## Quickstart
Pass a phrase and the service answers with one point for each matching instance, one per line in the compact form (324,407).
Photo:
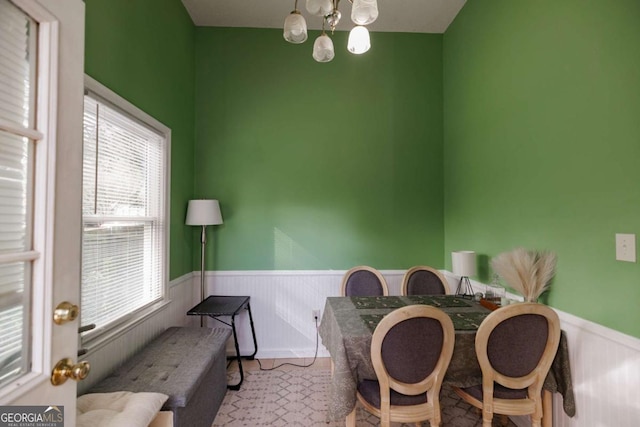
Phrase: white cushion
(117,409)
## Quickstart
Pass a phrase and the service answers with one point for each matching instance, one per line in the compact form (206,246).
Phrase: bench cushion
(174,364)
(119,408)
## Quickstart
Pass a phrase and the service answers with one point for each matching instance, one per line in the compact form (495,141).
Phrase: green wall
(532,105)
(320,166)
(144,51)
(542,142)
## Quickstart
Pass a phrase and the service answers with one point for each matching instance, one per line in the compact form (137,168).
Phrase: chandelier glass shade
(319,7)
(295,28)
(323,48)
(359,41)
(363,12)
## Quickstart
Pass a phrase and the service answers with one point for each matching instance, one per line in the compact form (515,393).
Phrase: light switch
(626,247)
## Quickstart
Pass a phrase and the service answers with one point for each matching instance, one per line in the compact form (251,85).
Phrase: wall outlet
(315,315)
(626,247)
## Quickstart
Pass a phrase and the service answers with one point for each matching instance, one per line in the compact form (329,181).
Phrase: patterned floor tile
(299,398)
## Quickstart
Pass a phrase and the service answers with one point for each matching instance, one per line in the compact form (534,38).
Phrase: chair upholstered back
(364,281)
(515,346)
(423,280)
(410,350)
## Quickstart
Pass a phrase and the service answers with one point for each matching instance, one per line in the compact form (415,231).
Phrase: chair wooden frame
(349,273)
(532,405)
(431,384)
(412,270)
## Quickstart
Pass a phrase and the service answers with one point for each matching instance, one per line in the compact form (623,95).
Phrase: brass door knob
(65,369)
(65,312)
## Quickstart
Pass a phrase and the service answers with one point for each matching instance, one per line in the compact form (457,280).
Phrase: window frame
(94,339)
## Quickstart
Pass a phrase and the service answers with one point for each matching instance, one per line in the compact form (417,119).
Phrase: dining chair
(363,281)
(423,280)
(515,346)
(410,350)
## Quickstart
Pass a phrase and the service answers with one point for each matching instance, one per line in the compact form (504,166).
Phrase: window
(124,209)
(18,138)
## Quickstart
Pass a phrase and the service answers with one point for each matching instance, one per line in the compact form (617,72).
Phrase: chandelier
(363,12)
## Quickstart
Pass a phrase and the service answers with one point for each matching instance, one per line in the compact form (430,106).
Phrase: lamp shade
(359,41)
(295,28)
(319,7)
(464,263)
(203,212)
(364,12)
(323,49)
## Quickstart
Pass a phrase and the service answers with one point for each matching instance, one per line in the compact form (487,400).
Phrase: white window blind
(123,209)
(18,37)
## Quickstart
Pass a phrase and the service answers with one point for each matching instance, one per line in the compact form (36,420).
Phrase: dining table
(347,326)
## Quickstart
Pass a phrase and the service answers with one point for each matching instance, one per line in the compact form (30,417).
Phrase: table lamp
(203,212)
(464,265)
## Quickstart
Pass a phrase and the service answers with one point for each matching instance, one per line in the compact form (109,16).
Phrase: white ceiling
(413,16)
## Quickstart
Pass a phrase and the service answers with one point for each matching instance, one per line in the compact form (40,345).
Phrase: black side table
(216,306)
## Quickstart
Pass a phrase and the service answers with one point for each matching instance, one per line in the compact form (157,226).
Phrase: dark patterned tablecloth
(440,301)
(461,321)
(347,326)
(377,302)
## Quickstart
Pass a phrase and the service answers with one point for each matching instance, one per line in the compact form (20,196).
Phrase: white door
(41,96)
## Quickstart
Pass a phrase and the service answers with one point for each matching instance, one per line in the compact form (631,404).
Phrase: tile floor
(456,413)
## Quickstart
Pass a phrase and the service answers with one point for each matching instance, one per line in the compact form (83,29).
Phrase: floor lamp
(203,212)
(464,265)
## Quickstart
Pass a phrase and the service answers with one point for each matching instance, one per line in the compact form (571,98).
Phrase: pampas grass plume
(528,272)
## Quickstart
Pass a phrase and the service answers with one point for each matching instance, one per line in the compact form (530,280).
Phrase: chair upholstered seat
(370,391)
(499,392)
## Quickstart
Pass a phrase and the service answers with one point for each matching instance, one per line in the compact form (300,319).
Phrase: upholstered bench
(188,364)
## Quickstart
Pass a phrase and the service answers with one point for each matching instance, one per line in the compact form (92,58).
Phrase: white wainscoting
(605,366)
(282,304)
(105,358)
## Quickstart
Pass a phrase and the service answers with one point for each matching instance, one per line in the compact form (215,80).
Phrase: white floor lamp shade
(203,212)
(464,265)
